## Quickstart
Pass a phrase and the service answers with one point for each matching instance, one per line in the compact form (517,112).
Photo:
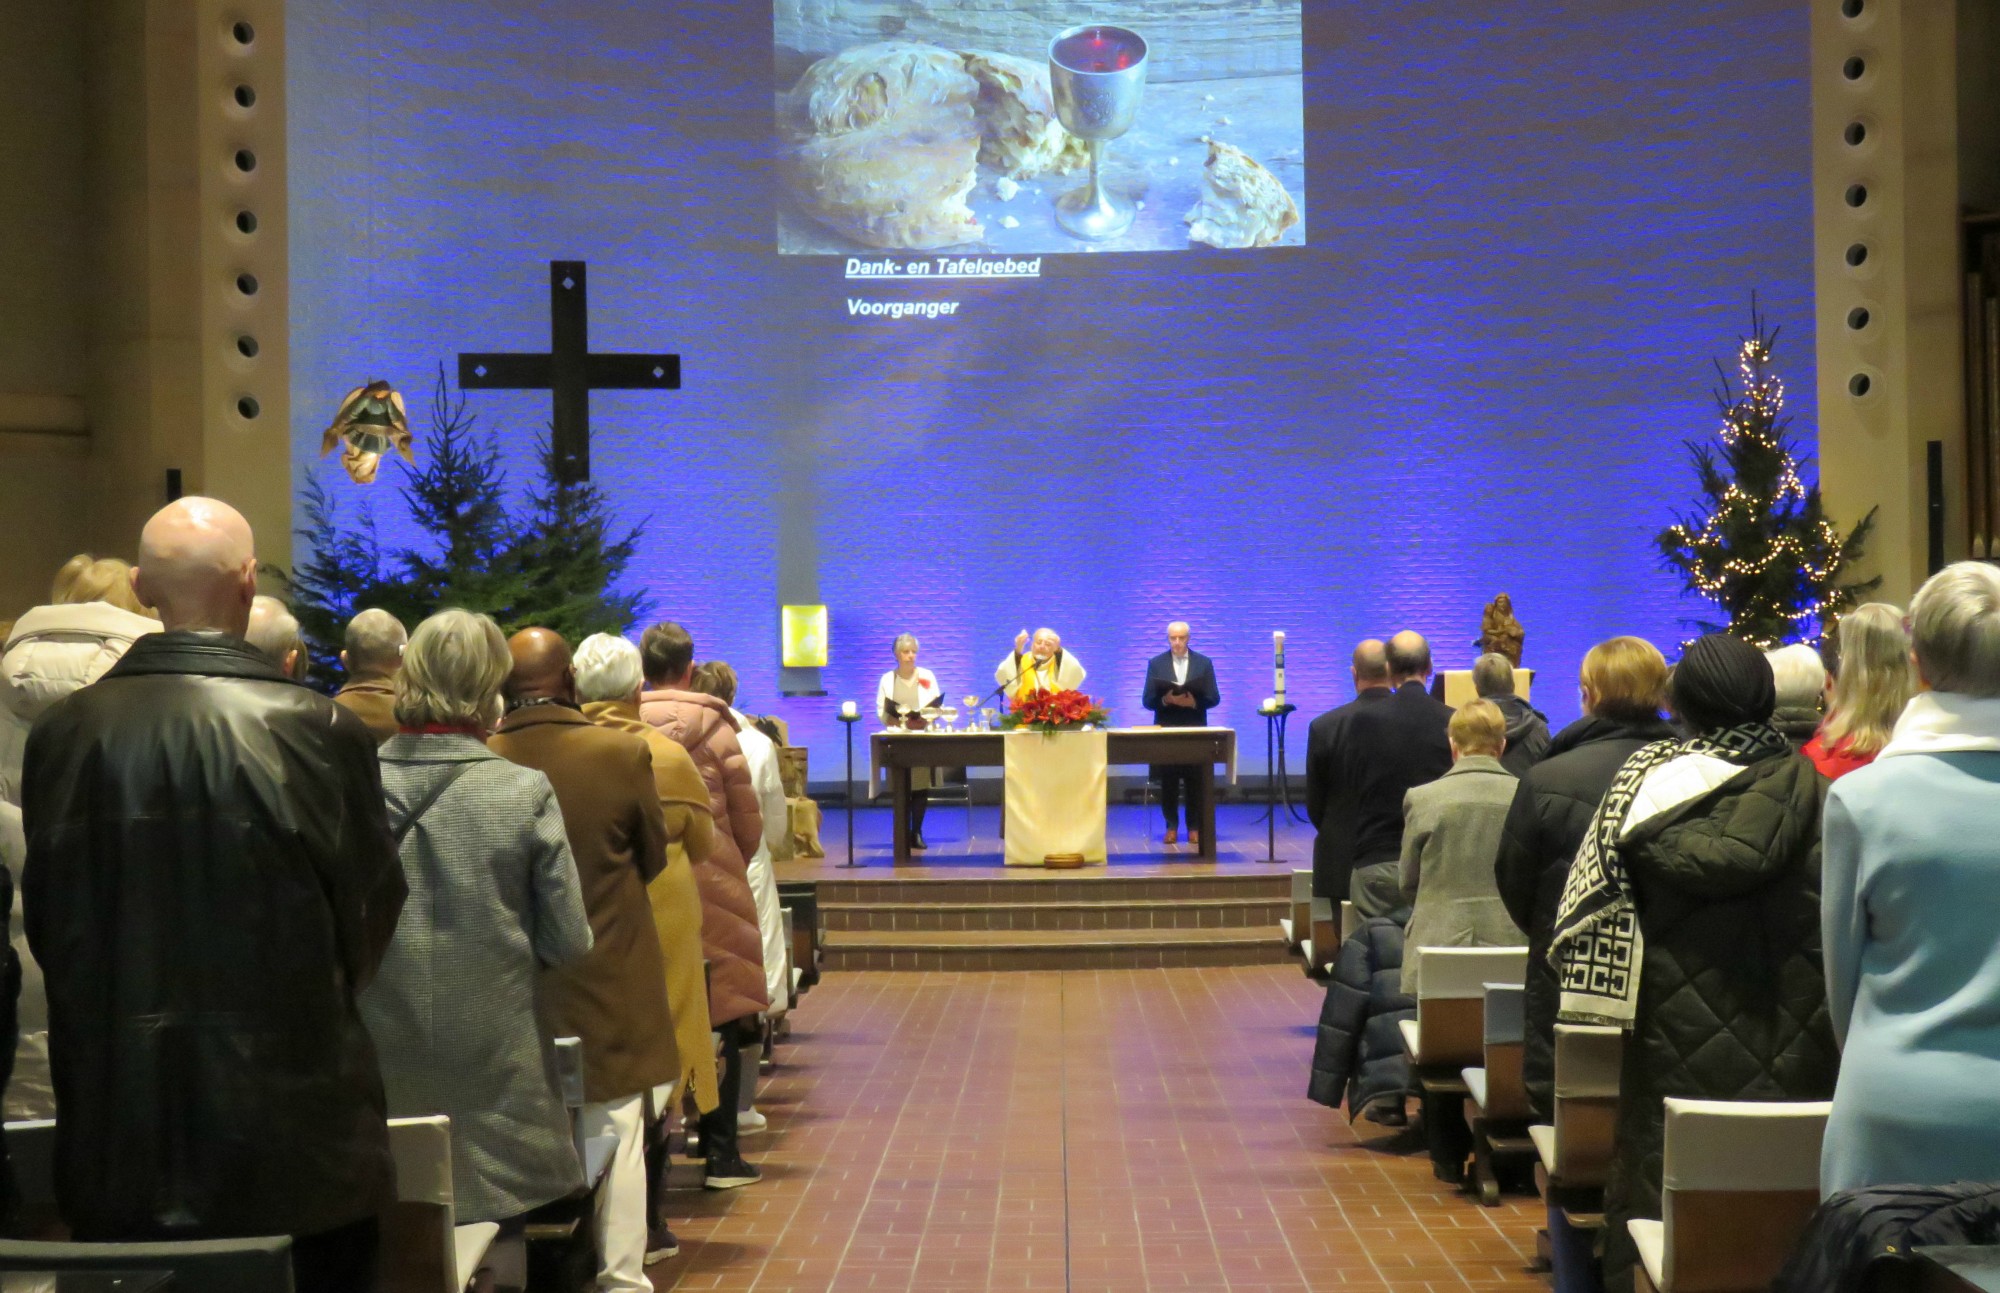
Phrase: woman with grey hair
(901,699)
(1911,884)
(494,896)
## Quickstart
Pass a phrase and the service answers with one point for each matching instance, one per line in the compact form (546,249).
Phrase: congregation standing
(255,923)
(1771,872)
(401,896)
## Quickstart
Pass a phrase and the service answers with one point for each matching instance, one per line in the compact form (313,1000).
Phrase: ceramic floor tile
(1100,1130)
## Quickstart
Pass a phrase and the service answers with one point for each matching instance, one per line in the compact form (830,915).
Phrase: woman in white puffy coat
(52,651)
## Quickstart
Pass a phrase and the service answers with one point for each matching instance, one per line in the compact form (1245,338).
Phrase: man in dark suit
(1399,743)
(1180,690)
(1332,773)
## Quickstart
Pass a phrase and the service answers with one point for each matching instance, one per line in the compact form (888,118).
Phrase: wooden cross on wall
(569,370)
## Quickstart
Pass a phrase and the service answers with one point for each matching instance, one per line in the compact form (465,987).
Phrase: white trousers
(621,1203)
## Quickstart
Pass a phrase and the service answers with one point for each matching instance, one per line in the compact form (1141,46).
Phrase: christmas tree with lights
(1757,542)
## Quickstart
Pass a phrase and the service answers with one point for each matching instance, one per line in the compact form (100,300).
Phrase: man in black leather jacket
(210,882)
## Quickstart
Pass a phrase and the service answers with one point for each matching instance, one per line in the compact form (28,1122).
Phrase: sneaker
(730,1176)
(660,1245)
(749,1122)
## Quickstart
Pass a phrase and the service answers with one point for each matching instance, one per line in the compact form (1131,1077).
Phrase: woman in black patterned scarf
(1691,919)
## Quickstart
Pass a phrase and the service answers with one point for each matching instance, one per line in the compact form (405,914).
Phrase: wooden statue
(1499,631)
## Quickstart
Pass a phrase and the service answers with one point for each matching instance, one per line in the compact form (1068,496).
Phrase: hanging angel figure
(371,423)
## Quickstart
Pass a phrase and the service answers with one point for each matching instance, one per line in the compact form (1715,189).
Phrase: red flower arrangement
(1055,711)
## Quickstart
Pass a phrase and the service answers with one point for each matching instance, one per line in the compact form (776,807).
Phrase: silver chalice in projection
(1098,75)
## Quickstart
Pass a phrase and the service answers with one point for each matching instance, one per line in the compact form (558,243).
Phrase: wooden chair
(1739,1182)
(1322,946)
(424,1249)
(31,1149)
(209,1265)
(1296,924)
(1448,1036)
(802,896)
(1575,1148)
(562,1236)
(1498,1108)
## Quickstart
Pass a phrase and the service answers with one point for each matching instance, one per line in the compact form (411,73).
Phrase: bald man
(1398,745)
(274,630)
(210,881)
(372,654)
(1180,690)
(615,997)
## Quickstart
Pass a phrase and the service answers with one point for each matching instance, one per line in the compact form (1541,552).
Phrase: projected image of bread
(1019,134)
(881,143)
(1242,204)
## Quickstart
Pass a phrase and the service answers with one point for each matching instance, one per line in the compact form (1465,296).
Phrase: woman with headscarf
(1691,920)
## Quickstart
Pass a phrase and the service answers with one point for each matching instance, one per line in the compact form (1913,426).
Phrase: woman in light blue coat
(1911,894)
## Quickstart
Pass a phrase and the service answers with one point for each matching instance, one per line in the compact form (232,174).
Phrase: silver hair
(1800,676)
(1955,629)
(1182,625)
(901,638)
(374,643)
(274,630)
(1493,675)
(607,668)
(452,671)
(1051,632)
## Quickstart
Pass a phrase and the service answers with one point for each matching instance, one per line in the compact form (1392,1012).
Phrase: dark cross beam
(569,370)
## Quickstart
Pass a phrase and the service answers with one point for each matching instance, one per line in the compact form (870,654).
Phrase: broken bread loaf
(1019,134)
(1242,204)
(881,143)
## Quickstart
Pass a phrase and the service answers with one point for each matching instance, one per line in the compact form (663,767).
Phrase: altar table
(897,752)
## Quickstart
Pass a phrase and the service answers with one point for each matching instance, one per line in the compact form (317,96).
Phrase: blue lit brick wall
(1529,234)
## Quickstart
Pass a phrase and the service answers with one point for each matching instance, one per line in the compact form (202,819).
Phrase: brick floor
(1095,1130)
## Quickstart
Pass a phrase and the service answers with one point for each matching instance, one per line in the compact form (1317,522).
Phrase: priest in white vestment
(1045,667)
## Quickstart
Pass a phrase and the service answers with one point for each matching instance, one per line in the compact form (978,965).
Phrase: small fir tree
(1757,542)
(566,559)
(552,562)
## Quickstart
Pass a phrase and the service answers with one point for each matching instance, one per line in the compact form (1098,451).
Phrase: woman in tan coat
(608,683)
(704,727)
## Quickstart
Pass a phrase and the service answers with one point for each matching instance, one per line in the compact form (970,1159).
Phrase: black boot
(726,1168)
(920,801)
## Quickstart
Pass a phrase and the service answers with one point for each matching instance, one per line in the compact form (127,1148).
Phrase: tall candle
(847,709)
(1278,648)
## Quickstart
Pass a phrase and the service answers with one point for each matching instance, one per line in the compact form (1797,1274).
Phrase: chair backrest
(1326,937)
(31,1148)
(210,1265)
(417,1250)
(1504,1028)
(1451,1000)
(569,1071)
(1740,1181)
(1588,1060)
(1301,906)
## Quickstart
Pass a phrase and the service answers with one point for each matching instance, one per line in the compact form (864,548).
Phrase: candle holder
(849,716)
(1097,75)
(1277,786)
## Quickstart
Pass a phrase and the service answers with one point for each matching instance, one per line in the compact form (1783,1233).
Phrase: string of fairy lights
(1813,558)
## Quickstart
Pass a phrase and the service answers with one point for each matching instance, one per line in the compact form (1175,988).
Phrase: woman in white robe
(900,699)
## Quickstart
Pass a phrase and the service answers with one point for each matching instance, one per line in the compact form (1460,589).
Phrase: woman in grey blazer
(493,897)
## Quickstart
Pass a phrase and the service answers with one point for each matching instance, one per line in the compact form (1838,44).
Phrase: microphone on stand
(1004,687)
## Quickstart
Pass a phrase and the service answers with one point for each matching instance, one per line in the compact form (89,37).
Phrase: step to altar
(1051,920)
